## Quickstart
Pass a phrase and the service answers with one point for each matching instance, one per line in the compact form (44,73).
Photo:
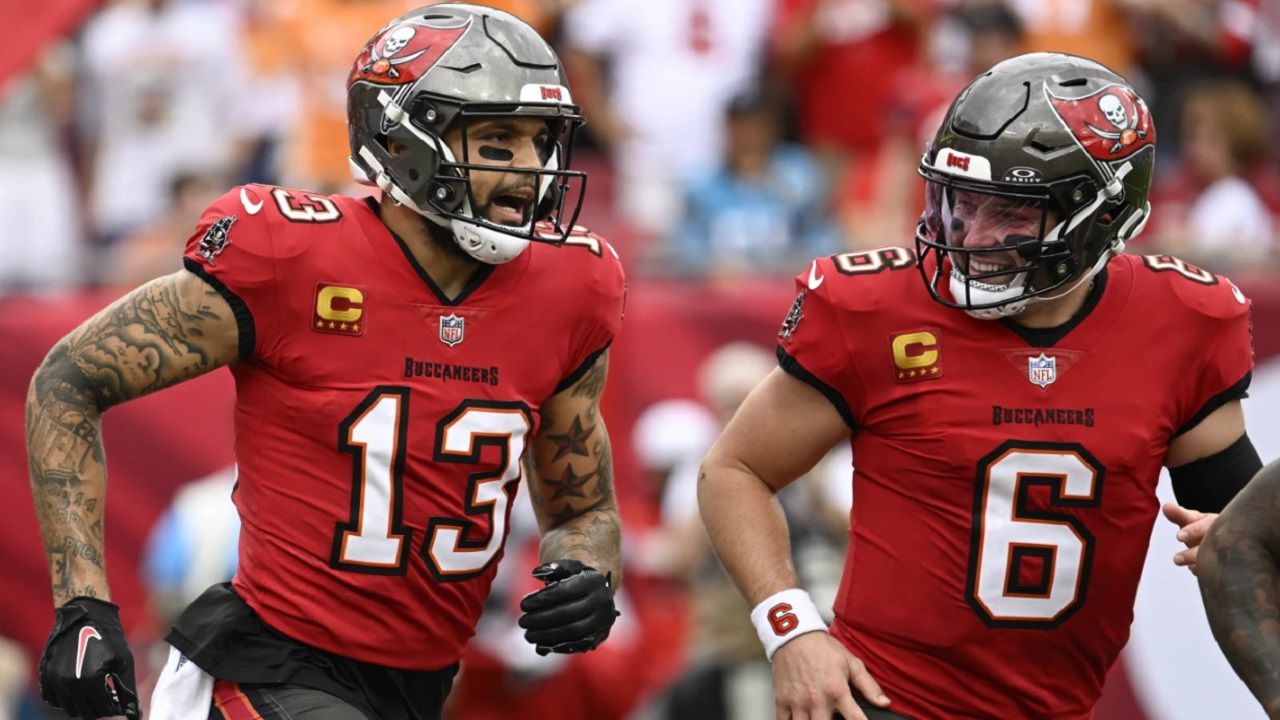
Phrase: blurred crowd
(726,138)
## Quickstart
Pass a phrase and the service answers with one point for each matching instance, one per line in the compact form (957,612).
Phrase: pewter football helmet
(442,66)
(1052,155)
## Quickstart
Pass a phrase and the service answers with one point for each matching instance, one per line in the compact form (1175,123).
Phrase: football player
(1008,415)
(1238,569)
(395,361)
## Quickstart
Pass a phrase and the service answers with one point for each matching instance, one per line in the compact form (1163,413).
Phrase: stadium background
(729,141)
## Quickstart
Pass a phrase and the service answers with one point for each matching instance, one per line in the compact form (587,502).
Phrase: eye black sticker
(489,152)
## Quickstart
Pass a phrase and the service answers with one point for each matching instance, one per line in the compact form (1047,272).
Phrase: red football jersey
(1004,479)
(379,425)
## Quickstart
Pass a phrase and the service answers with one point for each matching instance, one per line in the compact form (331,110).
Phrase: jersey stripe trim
(231,702)
(798,371)
(1235,392)
(579,371)
(244,318)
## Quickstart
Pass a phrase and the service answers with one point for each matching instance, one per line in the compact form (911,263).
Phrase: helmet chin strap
(985,293)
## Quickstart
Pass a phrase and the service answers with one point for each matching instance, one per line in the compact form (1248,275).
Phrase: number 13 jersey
(380,426)
(1004,478)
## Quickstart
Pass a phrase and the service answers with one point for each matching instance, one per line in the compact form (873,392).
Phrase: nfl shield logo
(451,327)
(1042,370)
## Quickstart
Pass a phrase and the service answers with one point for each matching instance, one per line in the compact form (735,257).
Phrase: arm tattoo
(169,330)
(572,490)
(150,339)
(1239,584)
(574,441)
(592,384)
(568,485)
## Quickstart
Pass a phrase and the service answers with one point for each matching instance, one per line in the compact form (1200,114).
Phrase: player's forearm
(1238,579)
(68,475)
(572,487)
(747,529)
(571,483)
(172,329)
(593,538)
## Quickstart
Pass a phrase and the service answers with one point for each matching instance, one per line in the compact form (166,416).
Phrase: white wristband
(785,616)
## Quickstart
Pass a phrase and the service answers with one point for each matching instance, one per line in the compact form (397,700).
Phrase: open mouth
(511,207)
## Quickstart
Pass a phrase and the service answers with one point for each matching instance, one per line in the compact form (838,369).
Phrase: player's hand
(1194,524)
(86,667)
(814,676)
(572,613)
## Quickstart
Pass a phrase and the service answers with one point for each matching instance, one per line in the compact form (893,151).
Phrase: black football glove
(573,613)
(86,667)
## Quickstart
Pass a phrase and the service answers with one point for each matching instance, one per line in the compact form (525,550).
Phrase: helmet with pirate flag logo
(442,67)
(1039,172)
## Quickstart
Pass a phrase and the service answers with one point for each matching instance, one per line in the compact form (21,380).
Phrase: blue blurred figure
(193,545)
(764,211)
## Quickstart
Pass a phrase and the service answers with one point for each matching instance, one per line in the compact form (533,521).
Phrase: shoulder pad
(579,236)
(862,280)
(1195,288)
(588,260)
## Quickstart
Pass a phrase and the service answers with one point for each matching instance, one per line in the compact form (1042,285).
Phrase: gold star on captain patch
(355,327)
(342,326)
(934,370)
(319,323)
(332,325)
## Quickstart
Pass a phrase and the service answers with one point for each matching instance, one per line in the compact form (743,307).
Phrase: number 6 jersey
(1004,478)
(380,426)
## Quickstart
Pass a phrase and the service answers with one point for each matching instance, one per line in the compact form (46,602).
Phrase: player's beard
(442,239)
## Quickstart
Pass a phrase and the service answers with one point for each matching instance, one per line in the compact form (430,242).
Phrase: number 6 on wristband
(784,616)
(782,619)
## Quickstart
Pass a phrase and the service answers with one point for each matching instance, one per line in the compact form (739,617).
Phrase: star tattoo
(570,484)
(574,441)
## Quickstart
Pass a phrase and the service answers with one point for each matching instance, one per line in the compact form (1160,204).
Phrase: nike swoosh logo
(86,634)
(815,280)
(251,208)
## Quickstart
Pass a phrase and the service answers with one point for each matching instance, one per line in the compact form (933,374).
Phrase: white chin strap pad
(975,292)
(493,247)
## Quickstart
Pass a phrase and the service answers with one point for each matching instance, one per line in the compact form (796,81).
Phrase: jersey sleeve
(603,299)
(231,249)
(1223,349)
(811,342)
